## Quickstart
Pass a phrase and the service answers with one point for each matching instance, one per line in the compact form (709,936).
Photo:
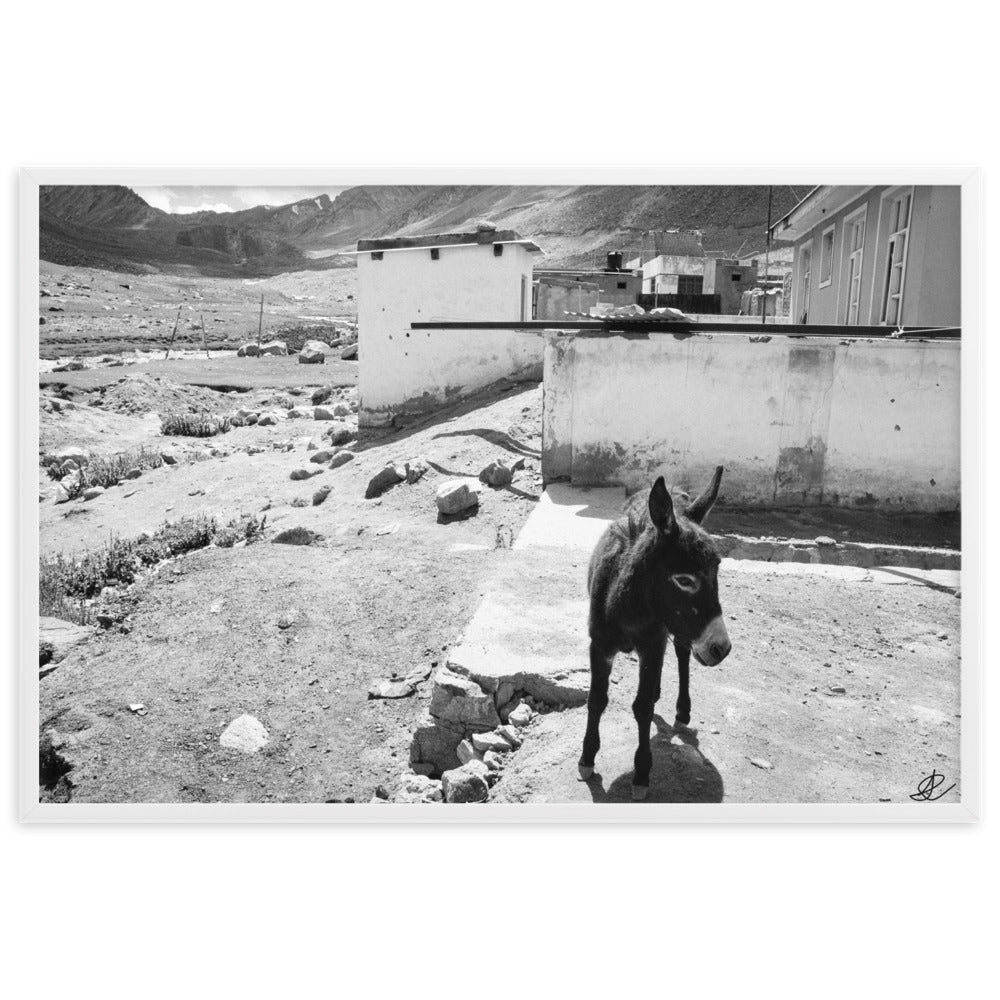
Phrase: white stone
(520,717)
(246,734)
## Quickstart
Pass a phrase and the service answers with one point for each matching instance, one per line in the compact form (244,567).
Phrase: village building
(728,279)
(485,274)
(559,292)
(875,255)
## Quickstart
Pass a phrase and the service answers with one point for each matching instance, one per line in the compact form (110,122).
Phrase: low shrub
(195,424)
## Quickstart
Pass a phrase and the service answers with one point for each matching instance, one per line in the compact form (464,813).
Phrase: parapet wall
(794,420)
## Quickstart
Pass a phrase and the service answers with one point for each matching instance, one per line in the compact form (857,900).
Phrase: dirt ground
(89,312)
(388,589)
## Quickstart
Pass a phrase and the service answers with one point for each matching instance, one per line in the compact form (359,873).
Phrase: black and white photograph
(444,498)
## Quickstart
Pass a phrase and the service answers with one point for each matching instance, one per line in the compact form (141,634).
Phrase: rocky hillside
(575,225)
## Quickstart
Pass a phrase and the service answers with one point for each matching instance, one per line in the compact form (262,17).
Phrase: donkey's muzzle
(713,645)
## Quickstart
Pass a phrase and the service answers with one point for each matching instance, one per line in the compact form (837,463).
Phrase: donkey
(653,576)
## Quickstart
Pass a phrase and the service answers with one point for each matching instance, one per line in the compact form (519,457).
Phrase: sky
(226,199)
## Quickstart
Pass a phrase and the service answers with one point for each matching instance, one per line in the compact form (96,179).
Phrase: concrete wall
(795,421)
(556,297)
(932,287)
(729,280)
(411,371)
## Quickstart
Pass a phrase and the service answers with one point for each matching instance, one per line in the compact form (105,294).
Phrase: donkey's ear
(661,507)
(698,509)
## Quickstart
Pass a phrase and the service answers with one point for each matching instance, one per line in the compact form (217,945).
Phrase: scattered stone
(466,751)
(321,395)
(61,494)
(425,769)
(299,502)
(388,529)
(417,788)
(837,689)
(341,458)
(245,734)
(496,474)
(70,366)
(341,410)
(349,353)
(296,536)
(298,474)
(466,783)
(384,480)
(390,689)
(520,716)
(416,469)
(313,352)
(275,347)
(93,492)
(289,618)
(490,741)
(511,735)
(169,457)
(137,708)
(493,760)
(435,742)
(941,635)
(320,495)
(323,455)
(457,495)
(764,765)
(459,699)
(267,420)
(825,540)
(322,413)
(133,473)
(248,351)
(341,433)
(505,691)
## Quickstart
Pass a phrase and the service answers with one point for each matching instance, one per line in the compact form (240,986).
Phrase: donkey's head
(685,568)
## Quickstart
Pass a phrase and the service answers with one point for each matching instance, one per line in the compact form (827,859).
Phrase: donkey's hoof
(586,773)
(639,792)
(682,720)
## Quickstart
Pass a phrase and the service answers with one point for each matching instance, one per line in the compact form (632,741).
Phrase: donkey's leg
(650,666)
(683,694)
(597,702)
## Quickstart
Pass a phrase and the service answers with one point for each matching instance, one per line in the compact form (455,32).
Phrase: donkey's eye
(689,584)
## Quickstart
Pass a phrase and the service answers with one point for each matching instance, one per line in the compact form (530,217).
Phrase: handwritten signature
(928,786)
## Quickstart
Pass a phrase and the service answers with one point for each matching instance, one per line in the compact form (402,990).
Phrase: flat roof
(481,237)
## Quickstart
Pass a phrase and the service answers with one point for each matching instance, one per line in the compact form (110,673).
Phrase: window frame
(892,198)
(822,259)
(859,214)
(804,283)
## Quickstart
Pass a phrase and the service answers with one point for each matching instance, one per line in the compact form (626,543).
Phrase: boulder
(321,395)
(390,689)
(61,494)
(417,788)
(310,356)
(465,752)
(274,347)
(434,743)
(496,474)
(349,353)
(267,420)
(342,410)
(320,495)
(511,735)
(322,413)
(323,455)
(341,458)
(248,351)
(169,457)
(133,473)
(245,734)
(298,474)
(466,783)
(457,495)
(340,433)
(93,492)
(384,480)
(520,717)
(490,741)
(416,469)
(458,699)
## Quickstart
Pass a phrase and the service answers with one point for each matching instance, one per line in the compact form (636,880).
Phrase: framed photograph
(428,495)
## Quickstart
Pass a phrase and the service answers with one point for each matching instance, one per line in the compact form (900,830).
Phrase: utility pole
(260,322)
(767,257)
(173,334)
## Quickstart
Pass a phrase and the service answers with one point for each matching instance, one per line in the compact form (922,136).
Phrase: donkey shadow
(681,772)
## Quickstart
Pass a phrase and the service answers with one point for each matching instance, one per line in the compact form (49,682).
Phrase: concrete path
(843,685)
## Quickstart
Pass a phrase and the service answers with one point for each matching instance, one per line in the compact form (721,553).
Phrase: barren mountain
(113,227)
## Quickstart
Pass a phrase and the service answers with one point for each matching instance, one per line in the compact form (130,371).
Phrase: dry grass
(195,424)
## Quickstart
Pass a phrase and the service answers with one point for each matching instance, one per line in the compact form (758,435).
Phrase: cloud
(195,198)
(157,197)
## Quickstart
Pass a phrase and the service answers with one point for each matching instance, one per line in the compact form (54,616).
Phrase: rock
(296,536)
(248,351)
(93,492)
(390,689)
(314,444)
(383,480)
(245,734)
(321,395)
(459,699)
(274,347)
(297,413)
(520,717)
(457,495)
(298,474)
(764,765)
(837,689)
(70,366)
(322,413)
(267,420)
(505,691)
(416,469)
(133,473)
(320,495)
(341,434)
(496,474)
(61,494)
(323,455)
(289,618)
(490,741)
(71,454)
(349,353)
(435,742)
(511,735)
(341,458)
(465,783)
(341,410)
(169,457)
(415,788)
(492,760)
(825,540)
(465,752)
(425,769)
(59,638)
(308,356)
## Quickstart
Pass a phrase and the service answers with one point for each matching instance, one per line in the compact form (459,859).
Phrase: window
(826,256)
(854,237)
(736,276)
(895,262)
(805,281)
(622,285)
(690,284)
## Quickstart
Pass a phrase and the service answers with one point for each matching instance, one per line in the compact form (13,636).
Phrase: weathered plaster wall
(558,297)
(413,371)
(794,420)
